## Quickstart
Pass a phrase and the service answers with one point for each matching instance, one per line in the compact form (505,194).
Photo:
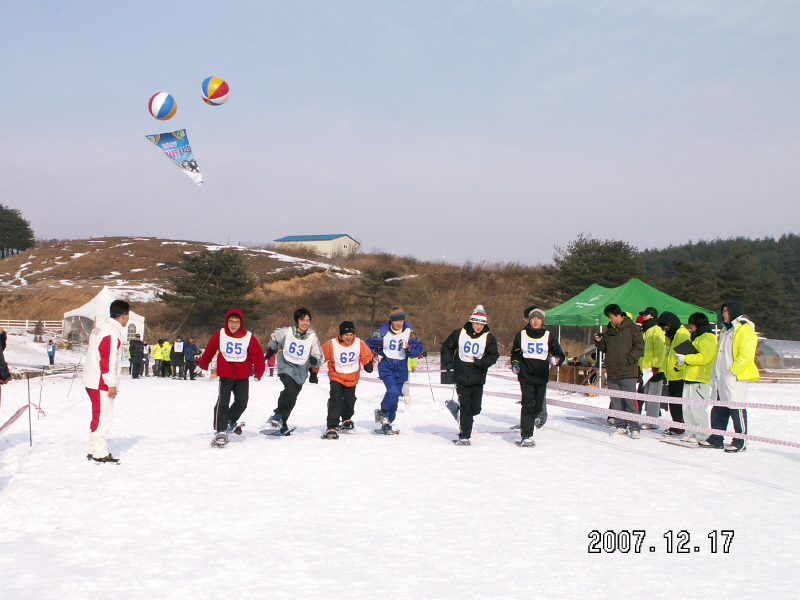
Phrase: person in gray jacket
(299,357)
(622,345)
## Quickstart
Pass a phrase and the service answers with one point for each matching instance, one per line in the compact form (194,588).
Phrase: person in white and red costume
(101,377)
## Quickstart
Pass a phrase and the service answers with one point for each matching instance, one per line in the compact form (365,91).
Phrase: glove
(554,361)
(447,377)
(312,377)
(270,353)
(477,362)
(369,366)
(313,361)
(407,348)
(681,359)
(515,367)
(424,354)
(3,381)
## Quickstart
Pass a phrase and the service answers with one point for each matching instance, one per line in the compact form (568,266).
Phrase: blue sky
(466,130)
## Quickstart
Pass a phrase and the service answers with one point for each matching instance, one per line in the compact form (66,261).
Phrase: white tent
(78,323)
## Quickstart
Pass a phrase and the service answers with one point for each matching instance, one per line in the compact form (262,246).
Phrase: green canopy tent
(586,309)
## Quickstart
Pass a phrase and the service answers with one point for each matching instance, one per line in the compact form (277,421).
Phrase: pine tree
(377,285)
(693,282)
(215,281)
(587,260)
(16,234)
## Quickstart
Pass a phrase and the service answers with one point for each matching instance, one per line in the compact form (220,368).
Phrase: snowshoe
(387,430)
(462,441)
(382,417)
(453,407)
(331,434)
(526,442)
(220,439)
(347,425)
(105,459)
(278,432)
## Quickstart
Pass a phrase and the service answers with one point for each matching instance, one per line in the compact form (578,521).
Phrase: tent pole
(599,365)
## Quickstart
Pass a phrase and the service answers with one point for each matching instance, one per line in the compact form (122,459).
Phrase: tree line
(763,274)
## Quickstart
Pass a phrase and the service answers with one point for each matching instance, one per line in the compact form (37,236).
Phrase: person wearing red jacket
(240,355)
(344,355)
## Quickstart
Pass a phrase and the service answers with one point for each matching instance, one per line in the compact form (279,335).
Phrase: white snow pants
(102,417)
(696,414)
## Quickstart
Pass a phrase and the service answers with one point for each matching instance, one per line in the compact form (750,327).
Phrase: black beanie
(346,327)
(735,309)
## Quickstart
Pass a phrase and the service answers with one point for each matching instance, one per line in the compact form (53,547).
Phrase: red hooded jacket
(254,363)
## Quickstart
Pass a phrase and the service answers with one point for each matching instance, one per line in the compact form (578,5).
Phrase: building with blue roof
(326,245)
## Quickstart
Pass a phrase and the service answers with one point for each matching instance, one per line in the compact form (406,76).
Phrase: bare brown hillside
(45,282)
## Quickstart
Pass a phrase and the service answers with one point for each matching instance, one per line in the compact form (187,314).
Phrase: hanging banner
(176,146)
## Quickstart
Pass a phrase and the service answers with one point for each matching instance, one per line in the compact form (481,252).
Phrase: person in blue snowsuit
(394,342)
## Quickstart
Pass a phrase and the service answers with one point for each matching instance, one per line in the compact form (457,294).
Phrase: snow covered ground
(367,516)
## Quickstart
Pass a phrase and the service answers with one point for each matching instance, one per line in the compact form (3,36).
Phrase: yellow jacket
(673,371)
(745,342)
(699,366)
(166,351)
(655,348)
(156,351)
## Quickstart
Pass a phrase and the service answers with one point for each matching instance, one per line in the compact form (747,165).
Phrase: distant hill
(46,281)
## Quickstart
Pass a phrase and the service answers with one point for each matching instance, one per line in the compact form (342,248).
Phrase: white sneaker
(690,439)
(635,434)
(618,431)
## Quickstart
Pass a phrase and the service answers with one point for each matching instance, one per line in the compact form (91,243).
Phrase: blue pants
(394,389)
(719,420)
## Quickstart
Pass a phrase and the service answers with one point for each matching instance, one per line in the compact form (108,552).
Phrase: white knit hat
(479,315)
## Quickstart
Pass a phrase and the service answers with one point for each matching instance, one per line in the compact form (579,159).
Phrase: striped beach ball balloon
(215,91)
(162,106)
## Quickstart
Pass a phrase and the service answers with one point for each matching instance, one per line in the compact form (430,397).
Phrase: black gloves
(447,377)
(270,353)
(313,362)
(478,362)
(369,366)
(312,377)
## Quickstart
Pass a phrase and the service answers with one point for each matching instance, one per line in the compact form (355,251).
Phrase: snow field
(365,516)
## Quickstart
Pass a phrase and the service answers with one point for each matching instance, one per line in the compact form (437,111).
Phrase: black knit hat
(346,327)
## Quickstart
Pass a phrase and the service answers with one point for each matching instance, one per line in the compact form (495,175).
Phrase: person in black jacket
(533,352)
(466,356)
(5,375)
(136,354)
(622,346)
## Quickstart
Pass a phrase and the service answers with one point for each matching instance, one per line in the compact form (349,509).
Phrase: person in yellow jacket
(675,334)
(157,353)
(651,363)
(699,366)
(733,372)
(166,365)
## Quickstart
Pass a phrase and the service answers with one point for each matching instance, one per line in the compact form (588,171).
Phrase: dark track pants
(719,420)
(341,403)
(533,407)
(675,390)
(469,399)
(136,370)
(288,397)
(224,411)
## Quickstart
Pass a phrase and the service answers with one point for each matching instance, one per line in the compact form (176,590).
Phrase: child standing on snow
(299,357)
(533,352)
(395,341)
(345,355)
(240,354)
